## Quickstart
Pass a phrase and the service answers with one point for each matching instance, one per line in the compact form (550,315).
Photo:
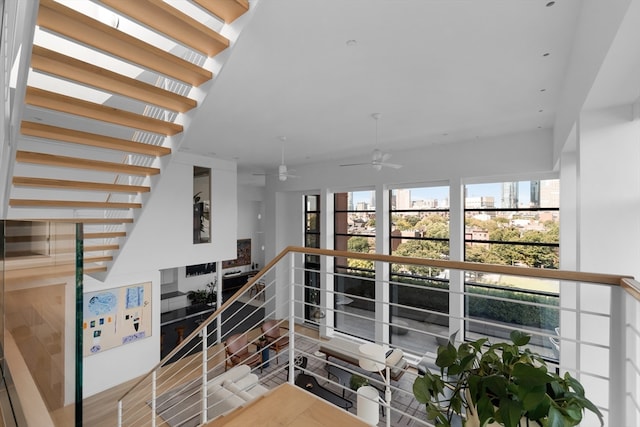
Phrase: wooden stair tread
(72,203)
(228,10)
(101,258)
(41,130)
(83,220)
(73,162)
(105,235)
(75,25)
(166,19)
(60,65)
(98,248)
(23,181)
(67,104)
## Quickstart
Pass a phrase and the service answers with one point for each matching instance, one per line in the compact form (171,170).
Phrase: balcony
(588,327)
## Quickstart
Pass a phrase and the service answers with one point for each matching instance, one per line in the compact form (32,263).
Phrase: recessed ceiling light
(551,3)
(445,134)
(542,90)
(540,111)
(546,54)
(352,42)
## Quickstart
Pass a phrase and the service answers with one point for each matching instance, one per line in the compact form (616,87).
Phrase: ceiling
(438,71)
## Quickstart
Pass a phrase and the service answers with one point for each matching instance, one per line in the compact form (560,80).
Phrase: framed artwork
(243,255)
(200,269)
(115,317)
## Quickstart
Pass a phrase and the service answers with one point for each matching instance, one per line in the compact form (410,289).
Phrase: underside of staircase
(109,87)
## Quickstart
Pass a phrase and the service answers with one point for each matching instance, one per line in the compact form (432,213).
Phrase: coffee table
(310,384)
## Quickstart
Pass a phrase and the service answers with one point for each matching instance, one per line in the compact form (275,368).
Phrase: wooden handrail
(572,276)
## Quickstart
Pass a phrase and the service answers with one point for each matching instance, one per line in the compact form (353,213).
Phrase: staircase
(110,85)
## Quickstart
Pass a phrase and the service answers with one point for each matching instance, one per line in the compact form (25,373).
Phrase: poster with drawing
(114,317)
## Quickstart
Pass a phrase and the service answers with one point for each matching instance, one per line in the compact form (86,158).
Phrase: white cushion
(237,391)
(232,374)
(395,356)
(247,381)
(221,401)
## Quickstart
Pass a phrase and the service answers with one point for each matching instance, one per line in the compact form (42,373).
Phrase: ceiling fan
(378,158)
(283,171)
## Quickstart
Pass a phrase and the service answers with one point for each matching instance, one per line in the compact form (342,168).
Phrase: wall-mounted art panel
(243,255)
(114,317)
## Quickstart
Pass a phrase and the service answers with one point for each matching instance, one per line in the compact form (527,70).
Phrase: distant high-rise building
(403,199)
(509,195)
(350,201)
(479,202)
(550,193)
(534,197)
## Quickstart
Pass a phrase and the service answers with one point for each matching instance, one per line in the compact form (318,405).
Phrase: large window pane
(518,224)
(354,225)
(419,228)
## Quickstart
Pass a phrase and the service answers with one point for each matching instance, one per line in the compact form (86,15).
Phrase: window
(355,231)
(512,223)
(419,228)
(312,311)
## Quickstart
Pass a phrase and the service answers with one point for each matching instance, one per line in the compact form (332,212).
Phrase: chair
(257,288)
(236,348)
(271,331)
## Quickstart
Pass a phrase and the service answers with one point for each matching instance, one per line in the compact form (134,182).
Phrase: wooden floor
(288,405)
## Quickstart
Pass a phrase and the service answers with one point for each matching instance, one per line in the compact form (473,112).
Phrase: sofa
(348,351)
(232,389)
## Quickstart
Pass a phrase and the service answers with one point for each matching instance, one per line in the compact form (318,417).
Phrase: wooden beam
(39,203)
(228,10)
(57,64)
(67,104)
(23,181)
(76,163)
(106,235)
(166,19)
(40,130)
(74,25)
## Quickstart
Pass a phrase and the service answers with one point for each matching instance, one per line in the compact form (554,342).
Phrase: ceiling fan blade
(390,165)
(385,157)
(357,164)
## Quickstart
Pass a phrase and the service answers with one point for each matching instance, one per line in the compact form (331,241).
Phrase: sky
(474,190)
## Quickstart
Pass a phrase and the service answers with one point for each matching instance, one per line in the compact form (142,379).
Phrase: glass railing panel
(42,294)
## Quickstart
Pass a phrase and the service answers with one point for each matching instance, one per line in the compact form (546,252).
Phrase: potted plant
(500,383)
(356,381)
(203,296)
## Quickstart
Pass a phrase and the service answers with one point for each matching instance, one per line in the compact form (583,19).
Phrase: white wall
(610,191)
(162,238)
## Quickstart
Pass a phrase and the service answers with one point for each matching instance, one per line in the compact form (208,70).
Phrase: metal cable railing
(352,310)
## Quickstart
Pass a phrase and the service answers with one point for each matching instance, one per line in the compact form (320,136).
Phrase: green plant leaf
(555,418)
(447,356)
(532,398)
(530,376)
(423,389)
(520,338)
(510,411)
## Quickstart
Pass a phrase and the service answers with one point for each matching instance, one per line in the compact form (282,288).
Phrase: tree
(358,244)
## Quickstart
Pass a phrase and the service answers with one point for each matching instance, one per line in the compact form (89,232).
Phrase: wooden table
(288,405)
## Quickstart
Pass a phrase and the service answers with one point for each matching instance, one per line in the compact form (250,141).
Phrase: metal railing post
(292,325)
(617,359)
(204,415)
(119,413)
(153,399)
